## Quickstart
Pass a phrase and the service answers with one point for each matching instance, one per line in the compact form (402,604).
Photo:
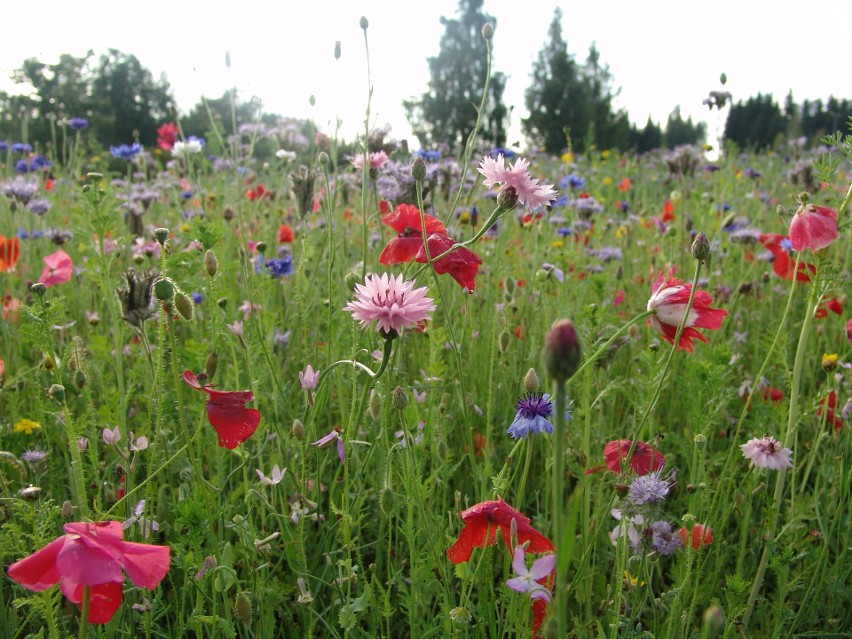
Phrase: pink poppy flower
(813,227)
(227,413)
(93,555)
(668,301)
(58,269)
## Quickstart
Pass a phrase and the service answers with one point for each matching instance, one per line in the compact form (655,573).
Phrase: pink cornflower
(394,304)
(767,452)
(668,301)
(530,192)
(377,160)
(813,227)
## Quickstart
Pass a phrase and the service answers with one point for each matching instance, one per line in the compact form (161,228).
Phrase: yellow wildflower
(621,232)
(26,426)
(605,153)
(607,180)
(567,158)
(558,244)
(829,361)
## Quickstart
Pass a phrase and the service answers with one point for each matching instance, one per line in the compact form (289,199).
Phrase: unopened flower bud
(261,247)
(364,23)
(337,50)
(57,393)
(418,169)
(322,158)
(713,621)
(242,607)
(298,429)
(161,235)
(210,263)
(228,213)
(387,500)
(487,30)
(503,341)
(164,289)
(829,362)
(541,275)
(184,305)
(444,404)
(67,510)
(79,379)
(701,247)
(350,280)
(228,59)
(38,289)
(531,381)
(561,353)
(633,331)
(507,198)
(619,273)
(509,285)
(460,616)
(399,398)
(375,408)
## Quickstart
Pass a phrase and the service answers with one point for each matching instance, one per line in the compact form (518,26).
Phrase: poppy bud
(210,263)
(184,305)
(228,214)
(364,23)
(242,607)
(561,353)
(38,289)
(375,408)
(67,509)
(298,429)
(386,500)
(510,285)
(713,621)
(503,341)
(701,247)
(261,247)
(57,393)
(531,381)
(487,30)
(337,50)
(79,379)
(164,289)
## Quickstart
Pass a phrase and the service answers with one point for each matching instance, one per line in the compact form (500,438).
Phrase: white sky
(662,53)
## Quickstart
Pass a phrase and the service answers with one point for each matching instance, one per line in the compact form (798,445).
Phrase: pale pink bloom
(530,192)
(767,452)
(813,227)
(248,308)
(139,443)
(57,270)
(236,328)
(332,437)
(274,478)
(528,579)
(377,160)
(111,437)
(394,304)
(309,378)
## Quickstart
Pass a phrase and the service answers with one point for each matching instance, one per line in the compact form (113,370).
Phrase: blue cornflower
(78,124)
(649,488)
(432,156)
(533,415)
(21,147)
(559,202)
(39,206)
(196,298)
(4,146)
(124,152)
(22,166)
(564,231)
(278,266)
(499,150)
(575,181)
(664,539)
(40,162)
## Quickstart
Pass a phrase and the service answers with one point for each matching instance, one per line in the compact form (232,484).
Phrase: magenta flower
(813,227)
(333,436)
(530,580)
(766,452)
(309,378)
(57,270)
(530,192)
(392,303)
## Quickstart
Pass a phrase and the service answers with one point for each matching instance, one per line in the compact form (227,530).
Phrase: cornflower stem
(787,438)
(559,433)
(84,613)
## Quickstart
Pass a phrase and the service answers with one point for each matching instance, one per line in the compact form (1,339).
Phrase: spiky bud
(531,381)
(161,235)
(184,305)
(399,398)
(242,607)
(375,404)
(701,246)
(561,353)
(211,263)
(164,289)
(418,169)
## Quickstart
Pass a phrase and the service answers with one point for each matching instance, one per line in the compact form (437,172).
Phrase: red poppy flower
(645,458)
(813,227)
(10,251)
(828,405)
(258,193)
(93,555)
(405,220)
(226,411)
(668,301)
(783,265)
(668,211)
(480,529)
(285,234)
(167,136)
(834,305)
(462,264)
(700,536)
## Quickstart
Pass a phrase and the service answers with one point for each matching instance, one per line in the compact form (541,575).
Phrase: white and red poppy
(669,299)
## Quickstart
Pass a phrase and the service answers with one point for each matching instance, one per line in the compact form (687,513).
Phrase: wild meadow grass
(335,516)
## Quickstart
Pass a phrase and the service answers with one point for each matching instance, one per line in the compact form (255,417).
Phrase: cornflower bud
(701,247)
(561,353)
(418,169)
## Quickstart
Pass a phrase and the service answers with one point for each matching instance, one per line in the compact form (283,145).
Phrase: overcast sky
(661,53)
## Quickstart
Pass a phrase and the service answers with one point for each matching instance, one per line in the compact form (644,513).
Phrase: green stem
(84,614)
(559,433)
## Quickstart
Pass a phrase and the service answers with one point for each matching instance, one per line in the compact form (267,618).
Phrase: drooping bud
(161,235)
(210,263)
(399,398)
(242,607)
(531,381)
(164,289)
(184,305)
(503,341)
(701,247)
(487,30)
(418,169)
(57,393)
(561,353)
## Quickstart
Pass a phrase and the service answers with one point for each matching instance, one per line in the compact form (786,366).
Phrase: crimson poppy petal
(104,599)
(233,424)
(401,250)
(38,571)
(477,533)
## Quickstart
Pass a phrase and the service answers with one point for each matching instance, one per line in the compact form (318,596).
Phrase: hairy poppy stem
(561,586)
(84,614)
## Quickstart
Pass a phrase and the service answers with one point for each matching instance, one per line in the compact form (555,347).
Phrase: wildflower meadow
(364,391)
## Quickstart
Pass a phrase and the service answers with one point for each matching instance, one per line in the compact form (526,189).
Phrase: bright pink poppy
(481,523)
(669,300)
(93,555)
(58,269)
(405,220)
(227,413)
(813,227)
(783,265)
(167,136)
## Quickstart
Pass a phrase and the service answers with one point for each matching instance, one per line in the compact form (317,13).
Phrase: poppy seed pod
(561,353)
(210,263)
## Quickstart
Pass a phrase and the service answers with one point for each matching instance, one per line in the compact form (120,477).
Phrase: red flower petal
(462,264)
(813,227)
(644,460)
(226,412)
(401,250)
(405,218)
(10,251)
(38,571)
(104,599)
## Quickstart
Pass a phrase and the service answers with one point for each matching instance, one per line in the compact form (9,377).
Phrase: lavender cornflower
(78,124)
(664,539)
(125,152)
(767,452)
(38,206)
(533,415)
(649,488)
(34,456)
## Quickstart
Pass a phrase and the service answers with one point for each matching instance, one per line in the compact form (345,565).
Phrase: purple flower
(649,488)
(532,416)
(125,152)
(309,378)
(39,206)
(34,456)
(139,443)
(274,478)
(664,539)
(78,124)
(527,579)
(333,436)
(111,437)
(767,452)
